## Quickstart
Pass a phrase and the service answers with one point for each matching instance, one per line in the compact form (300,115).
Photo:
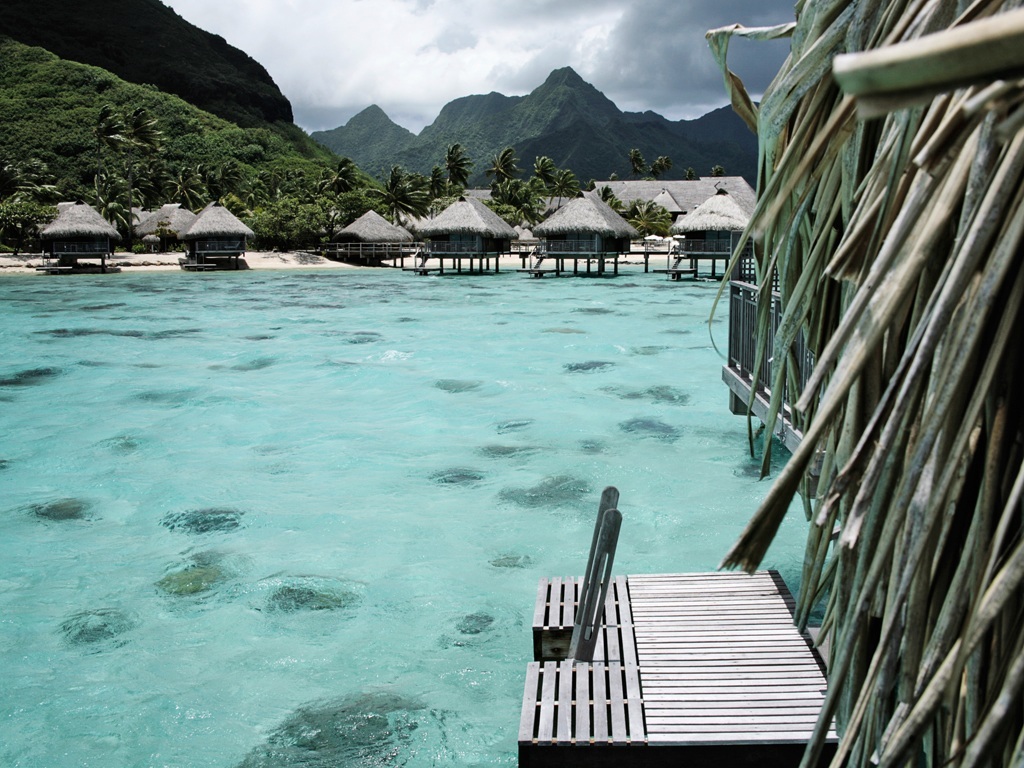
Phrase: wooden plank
(635,705)
(583,704)
(564,731)
(600,717)
(617,704)
(528,716)
(546,721)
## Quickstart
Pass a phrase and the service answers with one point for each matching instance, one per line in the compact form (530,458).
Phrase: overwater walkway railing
(738,374)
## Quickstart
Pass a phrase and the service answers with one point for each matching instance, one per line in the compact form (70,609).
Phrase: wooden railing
(447,248)
(220,246)
(87,247)
(701,246)
(370,251)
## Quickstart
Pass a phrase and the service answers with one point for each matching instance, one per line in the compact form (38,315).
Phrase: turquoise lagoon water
(298,518)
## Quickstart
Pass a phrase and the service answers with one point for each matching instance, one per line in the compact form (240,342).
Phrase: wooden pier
(593,264)
(702,670)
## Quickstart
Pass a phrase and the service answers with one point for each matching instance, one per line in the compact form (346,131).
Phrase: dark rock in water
(259,337)
(474,623)
(588,366)
(457,385)
(257,364)
(593,446)
(662,393)
(563,330)
(369,730)
(61,509)
(457,476)
(556,491)
(646,351)
(514,425)
(363,337)
(506,451)
(166,397)
(594,310)
(97,626)
(122,444)
(29,377)
(309,594)
(650,428)
(206,520)
(200,575)
(512,561)
(4,464)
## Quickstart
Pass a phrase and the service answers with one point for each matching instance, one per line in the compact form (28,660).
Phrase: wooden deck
(695,670)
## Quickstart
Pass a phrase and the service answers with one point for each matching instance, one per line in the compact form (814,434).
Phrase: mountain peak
(566,76)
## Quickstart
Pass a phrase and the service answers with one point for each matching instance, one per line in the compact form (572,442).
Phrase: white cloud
(411,57)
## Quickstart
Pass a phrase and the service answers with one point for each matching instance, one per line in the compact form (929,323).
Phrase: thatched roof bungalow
(470,227)
(167,223)
(586,225)
(370,239)
(682,197)
(714,226)
(216,233)
(79,231)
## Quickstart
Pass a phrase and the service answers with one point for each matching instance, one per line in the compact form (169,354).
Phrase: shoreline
(25,264)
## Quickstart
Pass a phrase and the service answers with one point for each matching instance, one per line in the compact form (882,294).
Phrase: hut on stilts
(216,240)
(78,232)
(710,233)
(466,231)
(370,240)
(586,229)
(889,240)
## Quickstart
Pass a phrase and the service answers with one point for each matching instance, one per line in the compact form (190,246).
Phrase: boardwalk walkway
(695,670)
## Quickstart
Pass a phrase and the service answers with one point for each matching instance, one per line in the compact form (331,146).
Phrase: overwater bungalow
(216,240)
(710,233)
(466,231)
(369,240)
(585,229)
(682,197)
(167,224)
(78,232)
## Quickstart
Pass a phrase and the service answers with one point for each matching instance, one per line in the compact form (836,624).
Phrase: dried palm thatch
(78,220)
(586,213)
(719,213)
(371,227)
(168,218)
(891,210)
(467,216)
(215,221)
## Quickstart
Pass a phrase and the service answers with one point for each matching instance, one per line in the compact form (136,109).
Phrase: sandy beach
(168,262)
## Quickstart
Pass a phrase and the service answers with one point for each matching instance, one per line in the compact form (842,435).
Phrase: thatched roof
(371,227)
(175,218)
(587,213)
(215,221)
(468,216)
(719,213)
(669,203)
(687,194)
(78,220)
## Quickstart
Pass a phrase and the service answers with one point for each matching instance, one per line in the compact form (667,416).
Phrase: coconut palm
(503,166)
(107,131)
(662,164)
(606,195)
(526,198)
(187,188)
(403,194)
(544,168)
(649,218)
(717,170)
(139,135)
(457,165)
(637,164)
(437,184)
(565,184)
(344,177)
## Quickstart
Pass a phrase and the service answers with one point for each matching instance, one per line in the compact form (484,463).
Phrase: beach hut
(467,230)
(710,231)
(78,232)
(167,224)
(584,229)
(215,239)
(682,196)
(370,239)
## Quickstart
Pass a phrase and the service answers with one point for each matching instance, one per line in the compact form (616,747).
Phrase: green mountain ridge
(565,118)
(146,42)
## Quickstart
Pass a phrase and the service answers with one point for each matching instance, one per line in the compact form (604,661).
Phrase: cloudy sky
(334,58)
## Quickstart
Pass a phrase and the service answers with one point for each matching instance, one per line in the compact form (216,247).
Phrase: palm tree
(717,170)
(524,197)
(637,162)
(691,174)
(438,184)
(661,165)
(503,166)
(457,165)
(187,187)
(344,178)
(609,197)
(139,133)
(544,169)
(107,132)
(649,218)
(565,185)
(404,193)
